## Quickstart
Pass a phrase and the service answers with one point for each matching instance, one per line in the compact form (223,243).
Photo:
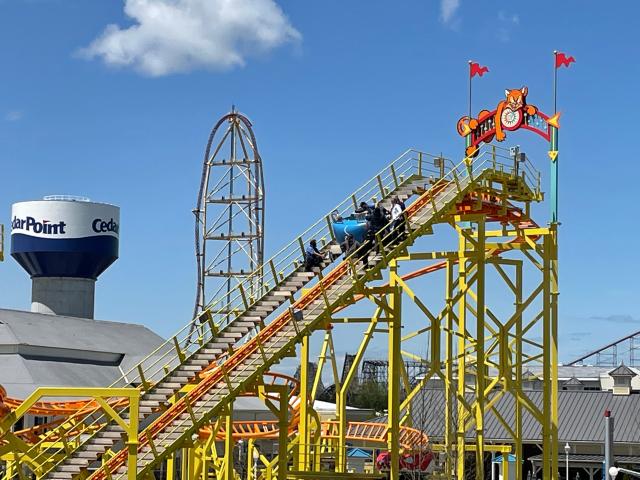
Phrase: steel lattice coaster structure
(495,316)
(229,227)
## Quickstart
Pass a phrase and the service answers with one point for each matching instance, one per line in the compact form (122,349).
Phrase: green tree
(371,395)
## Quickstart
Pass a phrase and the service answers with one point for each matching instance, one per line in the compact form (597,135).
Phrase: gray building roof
(581,416)
(581,372)
(48,350)
(622,371)
(594,460)
(573,381)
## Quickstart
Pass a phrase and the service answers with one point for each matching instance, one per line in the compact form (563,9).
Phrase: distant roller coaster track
(613,355)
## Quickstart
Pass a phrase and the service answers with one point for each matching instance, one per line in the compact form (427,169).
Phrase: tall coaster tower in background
(229,227)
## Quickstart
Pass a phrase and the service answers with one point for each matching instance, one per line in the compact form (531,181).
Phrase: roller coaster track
(365,432)
(247,429)
(369,433)
(227,345)
(612,354)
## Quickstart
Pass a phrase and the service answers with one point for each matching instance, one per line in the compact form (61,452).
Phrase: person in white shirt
(397,217)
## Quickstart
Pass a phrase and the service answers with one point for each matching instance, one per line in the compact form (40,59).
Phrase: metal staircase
(212,337)
(230,347)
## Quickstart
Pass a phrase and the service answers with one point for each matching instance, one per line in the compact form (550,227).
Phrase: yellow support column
(341,412)
(282,413)
(518,365)
(395,332)
(171,462)
(184,464)
(505,465)
(481,364)
(283,425)
(449,358)
(343,388)
(251,451)
(550,358)
(462,357)
(228,443)
(132,440)
(304,436)
(553,236)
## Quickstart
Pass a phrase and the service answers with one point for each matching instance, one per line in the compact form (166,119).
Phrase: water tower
(64,243)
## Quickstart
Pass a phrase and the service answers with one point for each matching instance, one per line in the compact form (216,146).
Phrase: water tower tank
(64,243)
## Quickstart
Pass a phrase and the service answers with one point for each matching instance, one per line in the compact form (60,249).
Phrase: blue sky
(121,114)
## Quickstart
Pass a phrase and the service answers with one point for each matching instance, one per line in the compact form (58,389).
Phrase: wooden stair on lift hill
(158,396)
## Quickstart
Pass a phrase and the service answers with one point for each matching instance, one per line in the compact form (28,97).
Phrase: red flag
(562,59)
(476,69)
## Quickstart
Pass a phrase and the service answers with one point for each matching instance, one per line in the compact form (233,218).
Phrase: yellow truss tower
(492,318)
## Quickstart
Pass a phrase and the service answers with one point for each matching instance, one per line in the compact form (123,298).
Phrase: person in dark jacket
(313,257)
(377,221)
(360,250)
(349,245)
(364,208)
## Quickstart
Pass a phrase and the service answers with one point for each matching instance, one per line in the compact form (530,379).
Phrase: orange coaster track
(268,429)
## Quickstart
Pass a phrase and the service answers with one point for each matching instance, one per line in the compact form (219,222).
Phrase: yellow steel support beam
(321,361)
(39,463)
(462,359)
(341,394)
(281,412)
(303,426)
(448,380)
(479,259)
(184,464)
(229,473)
(490,447)
(252,454)
(171,466)
(518,366)
(394,345)
(551,264)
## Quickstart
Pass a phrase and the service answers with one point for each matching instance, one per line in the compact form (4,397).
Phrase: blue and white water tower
(64,243)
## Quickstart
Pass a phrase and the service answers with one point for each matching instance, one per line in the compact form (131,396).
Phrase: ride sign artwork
(511,114)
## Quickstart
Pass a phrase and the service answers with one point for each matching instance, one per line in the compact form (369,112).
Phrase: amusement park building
(39,350)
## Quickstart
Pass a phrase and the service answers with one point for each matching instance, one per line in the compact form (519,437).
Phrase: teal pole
(553,145)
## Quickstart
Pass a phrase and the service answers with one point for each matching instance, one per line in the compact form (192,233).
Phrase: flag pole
(469,90)
(555,81)
(553,145)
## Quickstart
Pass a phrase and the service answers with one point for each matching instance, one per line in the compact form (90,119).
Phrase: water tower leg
(73,297)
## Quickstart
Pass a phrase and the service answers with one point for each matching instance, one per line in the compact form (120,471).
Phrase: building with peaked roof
(581,424)
(38,350)
(622,377)
(585,393)
(572,384)
(581,419)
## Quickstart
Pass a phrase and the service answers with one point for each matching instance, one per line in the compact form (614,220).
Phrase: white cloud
(513,18)
(618,318)
(448,8)
(14,115)
(172,36)
(506,23)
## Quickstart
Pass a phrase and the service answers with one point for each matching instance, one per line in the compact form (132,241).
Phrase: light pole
(567,449)
(613,471)
(240,459)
